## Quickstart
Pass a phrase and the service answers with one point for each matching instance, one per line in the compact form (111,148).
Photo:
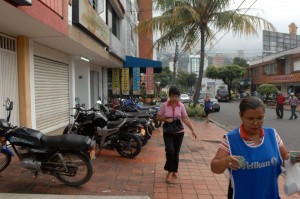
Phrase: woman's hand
(194,134)
(169,120)
(232,162)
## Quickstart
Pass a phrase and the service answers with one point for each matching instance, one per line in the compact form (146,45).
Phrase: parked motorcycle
(110,135)
(61,156)
(134,108)
(144,132)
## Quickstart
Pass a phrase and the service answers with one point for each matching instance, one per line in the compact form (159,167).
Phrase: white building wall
(82,81)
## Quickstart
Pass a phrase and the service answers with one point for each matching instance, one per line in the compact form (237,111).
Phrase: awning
(132,62)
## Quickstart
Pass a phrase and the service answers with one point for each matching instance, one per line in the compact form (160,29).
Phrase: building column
(24,81)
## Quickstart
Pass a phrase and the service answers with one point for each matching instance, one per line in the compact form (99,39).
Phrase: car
(222,95)
(215,104)
(185,98)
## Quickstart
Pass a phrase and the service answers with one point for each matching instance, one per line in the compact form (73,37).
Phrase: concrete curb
(50,196)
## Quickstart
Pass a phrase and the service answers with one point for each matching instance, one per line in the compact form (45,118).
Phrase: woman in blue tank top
(253,155)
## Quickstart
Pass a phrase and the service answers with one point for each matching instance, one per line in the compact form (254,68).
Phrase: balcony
(116,47)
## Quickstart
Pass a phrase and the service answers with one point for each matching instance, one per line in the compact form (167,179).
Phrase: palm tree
(191,21)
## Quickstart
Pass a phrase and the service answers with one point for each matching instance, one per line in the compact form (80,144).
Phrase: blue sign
(136,81)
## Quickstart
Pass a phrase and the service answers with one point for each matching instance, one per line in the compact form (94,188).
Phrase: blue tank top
(258,179)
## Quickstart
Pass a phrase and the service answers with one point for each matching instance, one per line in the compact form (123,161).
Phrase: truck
(222,93)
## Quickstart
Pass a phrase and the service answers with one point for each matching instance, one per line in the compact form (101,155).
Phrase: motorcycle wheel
(129,145)
(5,159)
(79,169)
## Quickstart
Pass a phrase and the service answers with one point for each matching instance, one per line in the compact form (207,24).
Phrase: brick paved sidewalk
(143,175)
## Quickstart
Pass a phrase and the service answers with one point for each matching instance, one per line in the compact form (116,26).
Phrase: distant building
(194,64)
(275,42)
(280,65)
(218,60)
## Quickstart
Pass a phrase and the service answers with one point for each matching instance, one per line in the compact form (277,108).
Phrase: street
(288,130)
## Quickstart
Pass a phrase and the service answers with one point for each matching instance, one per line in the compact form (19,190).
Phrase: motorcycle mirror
(8,104)
(77,100)
(99,102)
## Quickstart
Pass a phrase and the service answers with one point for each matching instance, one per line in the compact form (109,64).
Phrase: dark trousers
(293,109)
(279,110)
(173,143)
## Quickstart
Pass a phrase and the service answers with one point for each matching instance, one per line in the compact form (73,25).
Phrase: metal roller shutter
(51,83)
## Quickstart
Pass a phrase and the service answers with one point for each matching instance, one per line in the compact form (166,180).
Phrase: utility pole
(174,65)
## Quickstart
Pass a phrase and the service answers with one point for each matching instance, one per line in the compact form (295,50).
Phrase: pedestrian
(280,100)
(253,155)
(293,103)
(168,112)
(207,107)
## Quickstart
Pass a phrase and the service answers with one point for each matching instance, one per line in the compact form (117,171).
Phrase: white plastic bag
(292,178)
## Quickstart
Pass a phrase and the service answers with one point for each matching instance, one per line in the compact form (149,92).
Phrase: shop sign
(283,78)
(115,81)
(125,81)
(136,81)
(149,81)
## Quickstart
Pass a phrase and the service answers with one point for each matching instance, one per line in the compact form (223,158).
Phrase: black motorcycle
(108,134)
(133,108)
(144,132)
(62,156)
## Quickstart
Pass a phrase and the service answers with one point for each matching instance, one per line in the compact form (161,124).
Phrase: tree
(240,62)
(226,73)
(186,80)
(164,77)
(191,21)
(267,90)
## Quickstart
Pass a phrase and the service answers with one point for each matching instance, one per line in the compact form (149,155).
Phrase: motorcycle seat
(113,124)
(71,141)
(137,114)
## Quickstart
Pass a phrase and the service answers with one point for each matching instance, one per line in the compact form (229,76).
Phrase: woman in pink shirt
(170,110)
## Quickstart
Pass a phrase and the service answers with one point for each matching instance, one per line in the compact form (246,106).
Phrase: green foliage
(191,22)
(229,74)
(267,90)
(165,77)
(240,62)
(197,111)
(186,80)
(163,94)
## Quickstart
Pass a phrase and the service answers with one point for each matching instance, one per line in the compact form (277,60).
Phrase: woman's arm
(284,153)
(187,121)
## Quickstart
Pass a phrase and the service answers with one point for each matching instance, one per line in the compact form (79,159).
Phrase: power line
(229,28)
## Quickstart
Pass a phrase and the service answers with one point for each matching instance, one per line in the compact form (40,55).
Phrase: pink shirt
(168,111)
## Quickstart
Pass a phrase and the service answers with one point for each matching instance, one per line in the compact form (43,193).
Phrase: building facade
(53,51)
(280,63)
(281,69)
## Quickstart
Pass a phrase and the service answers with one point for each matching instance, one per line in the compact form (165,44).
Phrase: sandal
(175,175)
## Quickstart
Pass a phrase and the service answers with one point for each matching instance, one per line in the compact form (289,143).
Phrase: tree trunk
(174,66)
(199,81)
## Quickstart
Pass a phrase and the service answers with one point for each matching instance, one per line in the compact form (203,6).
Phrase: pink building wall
(53,13)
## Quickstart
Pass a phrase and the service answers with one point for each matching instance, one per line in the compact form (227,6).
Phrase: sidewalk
(143,176)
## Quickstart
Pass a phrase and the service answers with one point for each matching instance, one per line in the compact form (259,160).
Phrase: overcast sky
(280,13)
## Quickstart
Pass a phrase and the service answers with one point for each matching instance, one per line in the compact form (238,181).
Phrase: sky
(279,13)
